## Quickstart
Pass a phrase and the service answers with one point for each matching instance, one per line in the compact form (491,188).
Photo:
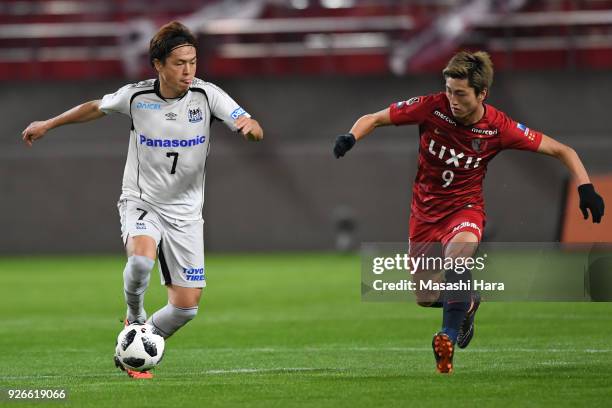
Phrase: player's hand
(344,143)
(34,131)
(249,128)
(590,200)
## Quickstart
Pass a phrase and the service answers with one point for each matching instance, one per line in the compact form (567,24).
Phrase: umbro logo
(171,116)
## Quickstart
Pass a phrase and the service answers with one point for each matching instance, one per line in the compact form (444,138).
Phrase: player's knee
(463,245)
(461,250)
(137,272)
(140,264)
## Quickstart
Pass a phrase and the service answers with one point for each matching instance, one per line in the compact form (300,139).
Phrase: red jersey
(453,158)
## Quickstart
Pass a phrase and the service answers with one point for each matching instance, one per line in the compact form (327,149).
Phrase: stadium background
(306,70)
(282,322)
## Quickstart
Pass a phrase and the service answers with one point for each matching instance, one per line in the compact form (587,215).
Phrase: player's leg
(468,226)
(463,234)
(184,297)
(454,303)
(422,243)
(182,307)
(141,233)
(181,263)
(140,252)
(424,275)
(457,302)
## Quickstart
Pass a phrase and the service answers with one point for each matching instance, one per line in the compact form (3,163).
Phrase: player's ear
(157,64)
(483,95)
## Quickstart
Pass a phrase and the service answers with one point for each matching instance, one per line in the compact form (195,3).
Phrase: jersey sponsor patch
(529,134)
(524,128)
(237,113)
(172,142)
(449,156)
(488,132)
(466,224)
(194,274)
(409,102)
(148,106)
(444,117)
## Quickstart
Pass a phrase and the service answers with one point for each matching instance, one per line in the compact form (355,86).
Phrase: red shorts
(442,231)
(429,239)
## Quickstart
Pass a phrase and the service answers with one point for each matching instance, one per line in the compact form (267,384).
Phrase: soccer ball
(139,348)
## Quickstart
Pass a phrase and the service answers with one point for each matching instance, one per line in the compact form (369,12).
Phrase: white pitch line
(268,370)
(166,375)
(405,349)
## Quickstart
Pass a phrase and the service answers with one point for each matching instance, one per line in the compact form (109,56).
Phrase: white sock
(170,318)
(136,277)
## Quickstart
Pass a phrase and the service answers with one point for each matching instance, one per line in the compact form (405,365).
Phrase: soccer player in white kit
(163,183)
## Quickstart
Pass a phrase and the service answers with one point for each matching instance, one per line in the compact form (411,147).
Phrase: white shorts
(180,244)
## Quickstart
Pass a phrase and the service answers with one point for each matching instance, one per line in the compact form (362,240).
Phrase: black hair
(169,37)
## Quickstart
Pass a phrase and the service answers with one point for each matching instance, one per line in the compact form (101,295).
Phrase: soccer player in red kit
(459,135)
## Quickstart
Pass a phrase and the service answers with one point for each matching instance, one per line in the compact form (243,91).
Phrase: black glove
(589,199)
(344,143)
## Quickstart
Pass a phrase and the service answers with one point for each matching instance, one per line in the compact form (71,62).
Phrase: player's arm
(250,128)
(367,123)
(589,199)
(567,156)
(363,127)
(81,113)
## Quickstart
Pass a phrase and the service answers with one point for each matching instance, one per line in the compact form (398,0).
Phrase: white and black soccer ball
(139,348)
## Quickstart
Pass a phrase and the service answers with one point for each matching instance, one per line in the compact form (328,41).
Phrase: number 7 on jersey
(175,155)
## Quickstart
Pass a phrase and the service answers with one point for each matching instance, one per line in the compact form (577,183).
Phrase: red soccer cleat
(444,350)
(139,374)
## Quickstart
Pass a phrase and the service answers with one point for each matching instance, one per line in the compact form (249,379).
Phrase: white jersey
(169,142)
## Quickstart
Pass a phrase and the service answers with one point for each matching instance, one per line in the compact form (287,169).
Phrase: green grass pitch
(290,330)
